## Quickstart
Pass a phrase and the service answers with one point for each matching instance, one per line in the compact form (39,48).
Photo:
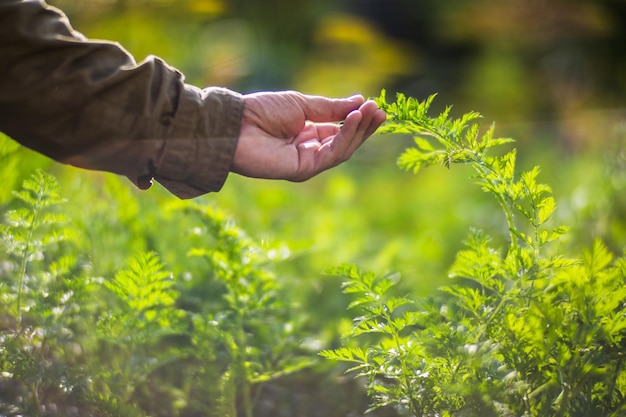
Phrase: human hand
(292,136)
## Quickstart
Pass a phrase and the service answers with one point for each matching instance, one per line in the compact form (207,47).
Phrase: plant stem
(36,401)
(242,378)
(483,169)
(25,254)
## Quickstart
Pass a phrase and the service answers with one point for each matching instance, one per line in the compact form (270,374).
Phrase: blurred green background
(550,74)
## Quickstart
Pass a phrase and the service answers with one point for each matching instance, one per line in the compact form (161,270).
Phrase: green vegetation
(527,330)
(140,342)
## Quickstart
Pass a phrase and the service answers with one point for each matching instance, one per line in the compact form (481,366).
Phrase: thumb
(324,109)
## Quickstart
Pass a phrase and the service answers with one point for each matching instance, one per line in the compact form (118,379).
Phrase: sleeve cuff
(198,155)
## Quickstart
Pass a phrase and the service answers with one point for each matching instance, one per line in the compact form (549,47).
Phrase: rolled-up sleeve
(89,104)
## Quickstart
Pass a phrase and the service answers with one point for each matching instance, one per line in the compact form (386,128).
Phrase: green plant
(44,289)
(248,337)
(524,331)
(134,331)
(144,341)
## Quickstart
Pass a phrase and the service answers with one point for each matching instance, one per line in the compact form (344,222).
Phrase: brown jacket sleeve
(89,104)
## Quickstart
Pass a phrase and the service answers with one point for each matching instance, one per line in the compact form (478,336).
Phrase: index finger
(324,109)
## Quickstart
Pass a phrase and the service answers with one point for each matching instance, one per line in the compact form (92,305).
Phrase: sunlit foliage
(522,330)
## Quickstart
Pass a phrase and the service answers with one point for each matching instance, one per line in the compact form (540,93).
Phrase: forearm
(89,104)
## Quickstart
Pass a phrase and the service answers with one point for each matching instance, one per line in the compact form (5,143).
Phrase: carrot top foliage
(521,330)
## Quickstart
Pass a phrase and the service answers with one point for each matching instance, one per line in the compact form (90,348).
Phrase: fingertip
(355,101)
(356,97)
(380,116)
(368,108)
